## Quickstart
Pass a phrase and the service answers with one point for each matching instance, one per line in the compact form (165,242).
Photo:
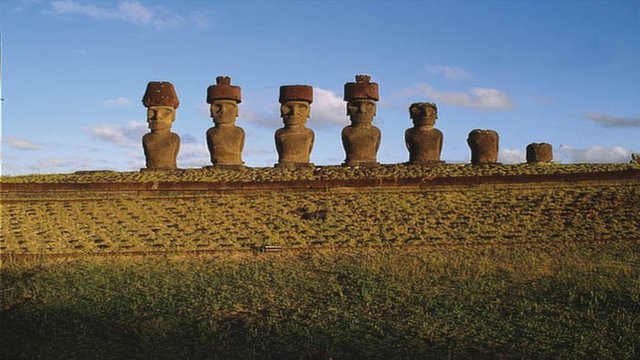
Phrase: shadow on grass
(32,332)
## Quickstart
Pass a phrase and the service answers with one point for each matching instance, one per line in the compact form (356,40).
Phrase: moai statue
(361,140)
(161,146)
(294,141)
(539,153)
(424,142)
(225,140)
(484,146)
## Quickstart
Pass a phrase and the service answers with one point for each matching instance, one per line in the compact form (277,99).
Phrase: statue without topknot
(361,140)
(160,146)
(423,141)
(225,140)
(538,153)
(484,146)
(294,141)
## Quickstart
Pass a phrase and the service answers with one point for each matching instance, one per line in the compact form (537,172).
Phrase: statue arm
(278,144)
(177,149)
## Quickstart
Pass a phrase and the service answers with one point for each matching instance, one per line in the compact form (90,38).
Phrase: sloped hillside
(429,211)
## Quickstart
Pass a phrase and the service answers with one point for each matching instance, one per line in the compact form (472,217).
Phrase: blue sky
(74,72)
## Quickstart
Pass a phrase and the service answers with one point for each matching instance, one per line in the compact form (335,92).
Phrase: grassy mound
(105,223)
(318,173)
(559,301)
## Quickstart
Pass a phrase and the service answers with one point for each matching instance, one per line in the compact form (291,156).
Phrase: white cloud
(450,72)
(119,101)
(328,110)
(125,136)
(612,121)
(55,164)
(594,154)
(129,11)
(479,98)
(134,12)
(19,143)
(511,156)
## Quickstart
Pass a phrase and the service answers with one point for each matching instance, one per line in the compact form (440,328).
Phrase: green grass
(560,301)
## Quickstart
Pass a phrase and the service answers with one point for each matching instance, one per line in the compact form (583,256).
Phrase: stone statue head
(224,111)
(361,97)
(161,101)
(361,111)
(160,118)
(295,102)
(423,113)
(224,99)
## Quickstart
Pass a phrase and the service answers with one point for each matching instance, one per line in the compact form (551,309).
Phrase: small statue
(294,141)
(160,146)
(225,140)
(484,146)
(361,140)
(423,141)
(539,153)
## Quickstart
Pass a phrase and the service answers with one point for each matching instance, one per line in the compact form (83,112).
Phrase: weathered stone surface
(160,146)
(225,140)
(484,146)
(423,141)
(294,141)
(539,153)
(160,93)
(361,140)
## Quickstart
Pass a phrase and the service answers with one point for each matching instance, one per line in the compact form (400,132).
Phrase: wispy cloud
(478,98)
(450,72)
(612,121)
(269,120)
(192,153)
(54,164)
(511,156)
(124,136)
(130,11)
(119,101)
(20,143)
(594,154)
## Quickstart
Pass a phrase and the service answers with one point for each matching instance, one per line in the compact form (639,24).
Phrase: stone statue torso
(294,145)
(161,150)
(225,145)
(361,143)
(424,145)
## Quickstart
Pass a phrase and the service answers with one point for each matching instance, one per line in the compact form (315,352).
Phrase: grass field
(529,301)
(464,272)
